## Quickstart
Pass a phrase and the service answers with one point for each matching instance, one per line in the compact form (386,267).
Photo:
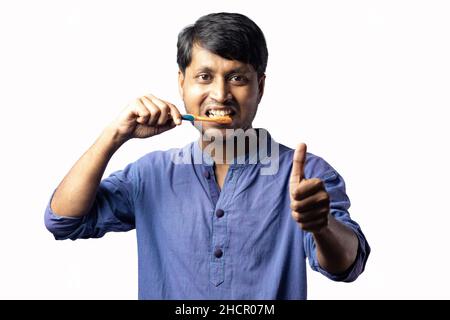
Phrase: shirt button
(218,253)
(206,174)
(220,213)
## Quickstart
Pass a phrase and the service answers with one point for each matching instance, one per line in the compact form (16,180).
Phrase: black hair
(232,36)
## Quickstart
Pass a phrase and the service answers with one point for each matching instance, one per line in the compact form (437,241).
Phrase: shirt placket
(218,250)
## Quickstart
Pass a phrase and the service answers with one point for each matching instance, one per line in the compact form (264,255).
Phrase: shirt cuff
(61,227)
(352,273)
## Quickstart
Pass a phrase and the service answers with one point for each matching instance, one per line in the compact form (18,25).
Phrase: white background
(364,83)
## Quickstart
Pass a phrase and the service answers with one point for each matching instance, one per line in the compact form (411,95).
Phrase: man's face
(213,85)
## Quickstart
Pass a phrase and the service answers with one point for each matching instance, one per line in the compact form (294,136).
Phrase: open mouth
(214,113)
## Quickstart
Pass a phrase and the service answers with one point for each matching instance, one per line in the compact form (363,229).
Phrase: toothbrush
(221,120)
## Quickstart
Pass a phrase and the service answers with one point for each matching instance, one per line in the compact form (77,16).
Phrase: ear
(261,83)
(180,83)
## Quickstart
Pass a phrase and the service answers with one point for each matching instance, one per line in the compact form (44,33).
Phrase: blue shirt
(196,241)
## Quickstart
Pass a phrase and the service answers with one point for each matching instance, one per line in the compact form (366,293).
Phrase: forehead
(205,59)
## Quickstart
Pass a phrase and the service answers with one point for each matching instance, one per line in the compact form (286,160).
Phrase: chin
(217,133)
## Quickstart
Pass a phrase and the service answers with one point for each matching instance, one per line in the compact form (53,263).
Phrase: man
(218,228)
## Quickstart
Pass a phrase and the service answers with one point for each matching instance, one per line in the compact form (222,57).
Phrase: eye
(238,79)
(204,77)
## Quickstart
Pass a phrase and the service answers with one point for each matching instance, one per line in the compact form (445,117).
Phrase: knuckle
(174,108)
(297,192)
(325,210)
(324,197)
(292,206)
(143,99)
(317,182)
(137,103)
(304,182)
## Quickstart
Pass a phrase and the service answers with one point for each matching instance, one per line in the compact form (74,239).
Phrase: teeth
(218,113)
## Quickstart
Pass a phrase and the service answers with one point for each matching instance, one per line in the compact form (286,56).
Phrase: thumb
(298,164)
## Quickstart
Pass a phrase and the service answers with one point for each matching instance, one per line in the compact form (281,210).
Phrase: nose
(219,91)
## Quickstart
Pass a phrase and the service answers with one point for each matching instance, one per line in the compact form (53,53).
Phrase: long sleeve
(339,205)
(113,210)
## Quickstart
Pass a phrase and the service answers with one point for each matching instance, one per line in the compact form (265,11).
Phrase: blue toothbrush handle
(188,117)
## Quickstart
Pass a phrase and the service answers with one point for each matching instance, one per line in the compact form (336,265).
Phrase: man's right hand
(145,117)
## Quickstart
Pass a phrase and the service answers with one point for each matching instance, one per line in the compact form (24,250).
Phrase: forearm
(337,246)
(76,193)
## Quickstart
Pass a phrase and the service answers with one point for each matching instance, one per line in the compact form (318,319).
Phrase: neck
(224,150)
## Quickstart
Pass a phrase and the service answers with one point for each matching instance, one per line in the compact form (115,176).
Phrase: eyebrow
(242,69)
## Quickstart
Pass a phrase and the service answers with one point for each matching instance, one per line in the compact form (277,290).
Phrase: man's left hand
(310,202)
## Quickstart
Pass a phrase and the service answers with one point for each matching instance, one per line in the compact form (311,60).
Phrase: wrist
(111,139)
(327,229)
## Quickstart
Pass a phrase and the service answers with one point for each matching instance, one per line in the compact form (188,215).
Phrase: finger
(142,113)
(311,215)
(317,200)
(307,188)
(176,115)
(154,110)
(164,107)
(298,163)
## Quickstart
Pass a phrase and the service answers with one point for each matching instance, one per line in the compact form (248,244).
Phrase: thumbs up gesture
(310,202)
